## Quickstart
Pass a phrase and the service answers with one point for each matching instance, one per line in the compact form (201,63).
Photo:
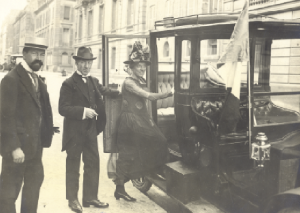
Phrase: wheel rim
(140,181)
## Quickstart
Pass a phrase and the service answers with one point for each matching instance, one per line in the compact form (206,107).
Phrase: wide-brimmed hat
(34,42)
(84,53)
(138,54)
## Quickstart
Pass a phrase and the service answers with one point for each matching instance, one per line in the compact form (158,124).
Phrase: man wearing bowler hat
(82,106)
(26,127)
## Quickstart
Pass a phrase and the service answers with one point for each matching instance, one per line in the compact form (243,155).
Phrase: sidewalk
(52,196)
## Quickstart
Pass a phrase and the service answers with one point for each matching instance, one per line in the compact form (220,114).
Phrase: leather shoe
(75,206)
(124,195)
(95,203)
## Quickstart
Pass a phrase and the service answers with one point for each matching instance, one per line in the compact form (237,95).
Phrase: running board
(181,185)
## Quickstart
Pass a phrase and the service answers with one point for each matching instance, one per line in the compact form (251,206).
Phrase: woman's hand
(168,94)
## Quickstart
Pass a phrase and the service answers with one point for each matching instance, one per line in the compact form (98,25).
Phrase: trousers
(31,172)
(87,147)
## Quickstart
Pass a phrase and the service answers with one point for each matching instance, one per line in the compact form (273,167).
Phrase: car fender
(282,200)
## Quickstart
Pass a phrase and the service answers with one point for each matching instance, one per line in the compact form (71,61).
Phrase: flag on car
(236,52)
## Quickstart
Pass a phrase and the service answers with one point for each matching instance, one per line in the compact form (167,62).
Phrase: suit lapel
(96,87)
(80,85)
(42,88)
(26,81)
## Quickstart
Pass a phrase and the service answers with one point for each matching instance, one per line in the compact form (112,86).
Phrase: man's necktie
(84,78)
(35,79)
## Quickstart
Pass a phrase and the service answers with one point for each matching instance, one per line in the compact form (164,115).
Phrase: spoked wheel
(143,184)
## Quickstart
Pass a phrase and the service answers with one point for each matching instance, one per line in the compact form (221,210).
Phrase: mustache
(37,61)
(36,64)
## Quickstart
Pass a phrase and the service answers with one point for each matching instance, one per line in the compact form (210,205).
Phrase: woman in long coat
(141,145)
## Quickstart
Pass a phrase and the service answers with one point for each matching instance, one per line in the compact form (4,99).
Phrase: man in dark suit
(82,106)
(26,127)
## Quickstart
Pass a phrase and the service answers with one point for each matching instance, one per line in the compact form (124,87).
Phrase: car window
(185,65)
(210,75)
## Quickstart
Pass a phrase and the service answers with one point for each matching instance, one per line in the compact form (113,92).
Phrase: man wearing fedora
(26,127)
(82,106)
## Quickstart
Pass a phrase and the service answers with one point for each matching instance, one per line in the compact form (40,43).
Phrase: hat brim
(141,61)
(35,47)
(81,58)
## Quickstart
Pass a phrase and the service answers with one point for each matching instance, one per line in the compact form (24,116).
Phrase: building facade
(285,54)
(23,26)
(54,21)
(93,18)
(7,36)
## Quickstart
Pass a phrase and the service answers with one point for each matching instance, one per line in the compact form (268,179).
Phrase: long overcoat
(25,121)
(73,98)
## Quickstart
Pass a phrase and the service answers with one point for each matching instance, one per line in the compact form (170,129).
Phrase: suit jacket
(73,98)
(26,122)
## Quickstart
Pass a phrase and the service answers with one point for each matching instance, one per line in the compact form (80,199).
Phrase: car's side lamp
(193,130)
(261,149)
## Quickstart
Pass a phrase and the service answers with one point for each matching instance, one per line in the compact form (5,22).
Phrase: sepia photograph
(150,106)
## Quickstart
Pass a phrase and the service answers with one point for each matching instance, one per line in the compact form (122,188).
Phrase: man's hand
(18,155)
(90,113)
(56,129)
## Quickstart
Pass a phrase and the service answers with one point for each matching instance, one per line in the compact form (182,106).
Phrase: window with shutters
(101,18)
(213,6)
(66,37)
(80,27)
(151,17)
(130,12)
(49,58)
(183,8)
(212,47)
(100,59)
(50,37)
(114,15)
(113,58)
(90,23)
(64,59)
(167,8)
(67,10)
(129,49)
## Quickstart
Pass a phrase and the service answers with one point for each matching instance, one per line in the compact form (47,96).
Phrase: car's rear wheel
(143,184)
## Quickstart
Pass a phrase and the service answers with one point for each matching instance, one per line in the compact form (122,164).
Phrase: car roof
(221,22)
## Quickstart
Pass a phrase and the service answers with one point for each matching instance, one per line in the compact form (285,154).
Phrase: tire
(290,210)
(142,184)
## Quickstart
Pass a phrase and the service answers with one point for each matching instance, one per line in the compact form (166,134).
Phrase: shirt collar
(25,66)
(79,73)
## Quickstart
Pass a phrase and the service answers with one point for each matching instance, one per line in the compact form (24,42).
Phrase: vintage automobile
(252,169)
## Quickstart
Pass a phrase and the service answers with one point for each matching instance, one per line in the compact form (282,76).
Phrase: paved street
(52,198)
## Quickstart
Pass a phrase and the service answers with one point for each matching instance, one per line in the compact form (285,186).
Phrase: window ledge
(211,57)
(166,59)
(129,28)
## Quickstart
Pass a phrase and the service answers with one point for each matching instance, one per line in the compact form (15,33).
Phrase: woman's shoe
(125,196)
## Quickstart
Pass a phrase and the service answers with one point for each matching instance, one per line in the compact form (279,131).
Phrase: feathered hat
(138,54)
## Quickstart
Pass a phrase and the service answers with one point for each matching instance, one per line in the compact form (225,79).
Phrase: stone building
(109,17)
(54,21)
(23,26)
(285,54)
(7,36)
(133,17)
